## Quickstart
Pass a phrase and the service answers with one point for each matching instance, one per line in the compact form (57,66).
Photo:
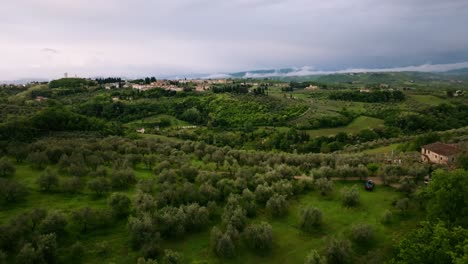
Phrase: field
(354,127)
(428,99)
(292,245)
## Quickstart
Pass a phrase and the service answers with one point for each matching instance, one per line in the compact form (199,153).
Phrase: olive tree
(7,169)
(350,196)
(310,219)
(277,205)
(324,185)
(362,233)
(99,186)
(259,237)
(314,258)
(48,180)
(54,222)
(119,204)
(338,251)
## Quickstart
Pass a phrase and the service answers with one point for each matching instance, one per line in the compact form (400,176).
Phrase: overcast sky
(45,38)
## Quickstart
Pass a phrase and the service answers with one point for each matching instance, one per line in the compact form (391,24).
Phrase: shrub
(39,160)
(325,186)
(77,252)
(338,251)
(122,179)
(6,168)
(263,193)
(72,185)
(54,222)
(225,247)
(350,196)
(315,258)
(141,230)
(48,180)
(277,205)
(3,257)
(403,205)
(197,216)
(119,204)
(259,237)
(99,186)
(311,218)
(362,233)
(171,257)
(237,218)
(146,261)
(386,217)
(11,191)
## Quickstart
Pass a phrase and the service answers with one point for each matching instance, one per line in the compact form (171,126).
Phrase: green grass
(354,127)
(428,99)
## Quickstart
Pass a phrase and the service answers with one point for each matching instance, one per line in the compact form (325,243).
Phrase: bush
(39,160)
(197,216)
(146,261)
(99,186)
(6,168)
(48,180)
(11,191)
(350,196)
(325,186)
(338,251)
(263,193)
(386,217)
(277,205)
(119,204)
(311,218)
(259,237)
(72,185)
(77,252)
(362,233)
(54,222)
(122,179)
(3,257)
(141,230)
(237,218)
(225,247)
(171,257)
(403,205)
(315,258)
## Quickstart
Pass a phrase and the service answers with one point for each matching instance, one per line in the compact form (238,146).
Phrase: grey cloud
(199,36)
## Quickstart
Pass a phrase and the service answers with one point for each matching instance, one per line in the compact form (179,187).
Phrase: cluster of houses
(199,85)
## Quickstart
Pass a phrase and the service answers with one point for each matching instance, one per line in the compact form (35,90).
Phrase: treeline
(146,80)
(437,118)
(371,97)
(71,83)
(291,140)
(238,88)
(102,81)
(54,119)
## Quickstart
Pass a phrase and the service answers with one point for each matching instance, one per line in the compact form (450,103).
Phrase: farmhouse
(439,153)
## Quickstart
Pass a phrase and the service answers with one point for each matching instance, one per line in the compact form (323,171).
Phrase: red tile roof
(442,149)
